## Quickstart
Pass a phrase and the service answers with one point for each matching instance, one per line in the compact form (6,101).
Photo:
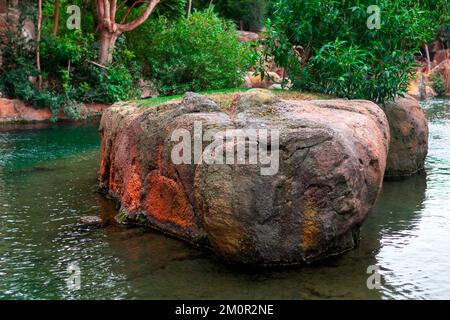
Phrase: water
(48,180)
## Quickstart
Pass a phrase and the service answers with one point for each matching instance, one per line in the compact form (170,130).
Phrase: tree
(249,13)
(3,6)
(329,45)
(190,7)
(110,29)
(56,18)
(38,43)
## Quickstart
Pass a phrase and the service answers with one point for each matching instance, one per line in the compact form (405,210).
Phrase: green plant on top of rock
(328,46)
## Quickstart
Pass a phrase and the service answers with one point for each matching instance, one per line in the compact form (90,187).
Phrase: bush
(251,12)
(197,53)
(69,76)
(438,84)
(326,46)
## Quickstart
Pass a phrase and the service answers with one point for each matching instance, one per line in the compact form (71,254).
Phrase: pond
(48,180)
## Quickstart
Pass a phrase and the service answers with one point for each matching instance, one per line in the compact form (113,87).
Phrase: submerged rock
(409,137)
(308,202)
(91,221)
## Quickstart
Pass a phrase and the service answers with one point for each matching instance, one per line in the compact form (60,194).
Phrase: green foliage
(70,76)
(326,46)
(438,84)
(250,12)
(19,72)
(171,9)
(195,53)
(87,19)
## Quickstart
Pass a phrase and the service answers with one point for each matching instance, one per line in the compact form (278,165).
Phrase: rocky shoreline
(17,111)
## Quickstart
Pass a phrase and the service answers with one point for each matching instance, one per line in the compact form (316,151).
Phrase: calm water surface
(47,182)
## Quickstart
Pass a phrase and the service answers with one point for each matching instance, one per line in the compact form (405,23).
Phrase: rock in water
(409,137)
(332,157)
(91,221)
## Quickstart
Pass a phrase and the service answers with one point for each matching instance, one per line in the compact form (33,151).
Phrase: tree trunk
(107,43)
(38,43)
(110,30)
(189,8)
(427,52)
(56,18)
(3,6)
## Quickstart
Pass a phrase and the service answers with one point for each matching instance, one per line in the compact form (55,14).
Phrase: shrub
(438,84)
(196,53)
(69,76)
(251,12)
(326,46)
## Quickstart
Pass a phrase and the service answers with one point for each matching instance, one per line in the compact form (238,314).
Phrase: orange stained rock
(166,201)
(103,169)
(133,187)
(112,182)
(310,230)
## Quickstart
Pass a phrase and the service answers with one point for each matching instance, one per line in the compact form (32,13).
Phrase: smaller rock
(420,88)
(441,56)
(91,221)
(28,30)
(148,89)
(409,137)
(194,103)
(247,81)
(245,36)
(253,80)
(258,97)
(276,86)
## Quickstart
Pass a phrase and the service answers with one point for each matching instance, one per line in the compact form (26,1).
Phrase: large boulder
(409,137)
(307,203)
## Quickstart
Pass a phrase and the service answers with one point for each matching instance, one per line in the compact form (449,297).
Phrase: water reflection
(415,238)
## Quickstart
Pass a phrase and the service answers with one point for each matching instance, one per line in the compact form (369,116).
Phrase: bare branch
(141,19)
(124,19)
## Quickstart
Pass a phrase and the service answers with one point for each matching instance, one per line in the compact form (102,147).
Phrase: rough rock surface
(91,221)
(441,56)
(246,36)
(332,158)
(409,137)
(420,88)
(18,111)
(443,70)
